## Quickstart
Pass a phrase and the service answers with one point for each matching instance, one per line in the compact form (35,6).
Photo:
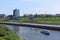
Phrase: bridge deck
(35,25)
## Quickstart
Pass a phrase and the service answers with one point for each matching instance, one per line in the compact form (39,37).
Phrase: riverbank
(7,34)
(48,20)
(21,38)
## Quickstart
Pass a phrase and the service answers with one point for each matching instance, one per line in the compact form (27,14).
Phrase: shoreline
(21,38)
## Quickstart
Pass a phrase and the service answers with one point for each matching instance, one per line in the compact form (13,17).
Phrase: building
(58,14)
(2,15)
(16,14)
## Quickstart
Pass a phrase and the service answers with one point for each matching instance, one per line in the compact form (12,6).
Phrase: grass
(49,20)
(7,34)
(24,19)
(2,19)
(20,20)
(54,20)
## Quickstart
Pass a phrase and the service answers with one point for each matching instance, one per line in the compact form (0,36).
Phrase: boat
(45,32)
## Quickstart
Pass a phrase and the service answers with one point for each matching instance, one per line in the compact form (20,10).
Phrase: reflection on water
(34,33)
(14,28)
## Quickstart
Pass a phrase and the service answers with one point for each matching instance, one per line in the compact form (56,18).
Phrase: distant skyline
(30,6)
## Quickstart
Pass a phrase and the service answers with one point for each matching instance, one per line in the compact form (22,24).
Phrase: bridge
(34,25)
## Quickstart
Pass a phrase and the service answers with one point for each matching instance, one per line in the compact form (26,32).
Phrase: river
(34,33)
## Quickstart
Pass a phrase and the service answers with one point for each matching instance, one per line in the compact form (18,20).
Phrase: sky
(30,6)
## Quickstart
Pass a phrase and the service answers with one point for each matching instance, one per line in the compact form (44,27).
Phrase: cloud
(46,6)
(57,8)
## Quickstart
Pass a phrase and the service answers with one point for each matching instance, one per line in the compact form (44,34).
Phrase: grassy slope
(50,20)
(2,19)
(6,34)
(20,20)
(55,20)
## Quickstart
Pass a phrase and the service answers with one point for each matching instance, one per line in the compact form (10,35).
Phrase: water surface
(34,33)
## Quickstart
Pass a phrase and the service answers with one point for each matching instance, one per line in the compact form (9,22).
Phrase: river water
(34,33)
